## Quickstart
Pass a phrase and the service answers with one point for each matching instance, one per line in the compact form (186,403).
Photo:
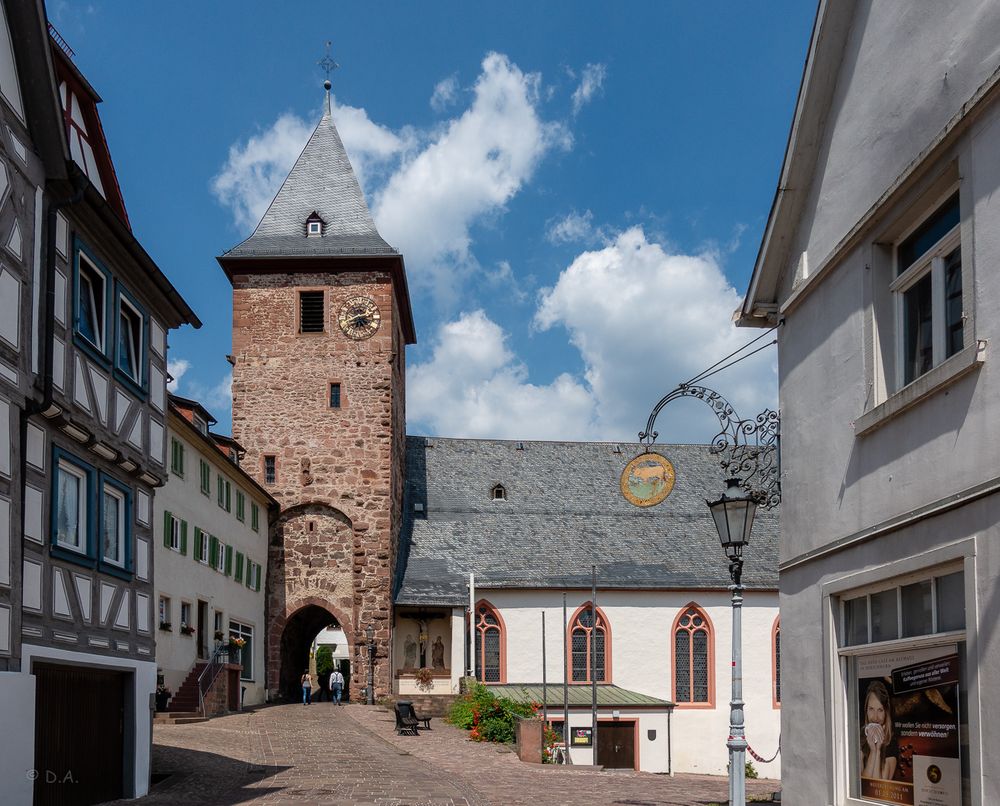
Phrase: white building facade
(211,523)
(664,616)
(878,262)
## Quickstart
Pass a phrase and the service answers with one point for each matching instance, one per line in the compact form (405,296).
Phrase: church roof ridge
(322,181)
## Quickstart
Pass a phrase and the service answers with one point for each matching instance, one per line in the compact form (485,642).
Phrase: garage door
(79,735)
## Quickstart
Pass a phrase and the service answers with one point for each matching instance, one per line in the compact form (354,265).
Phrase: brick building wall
(339,471)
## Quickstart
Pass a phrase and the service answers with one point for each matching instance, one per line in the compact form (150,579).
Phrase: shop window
(243,632)
(490,644)
(582,630)
(694,659)
(903,655)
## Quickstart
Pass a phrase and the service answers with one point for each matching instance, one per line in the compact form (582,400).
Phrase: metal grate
(310,312)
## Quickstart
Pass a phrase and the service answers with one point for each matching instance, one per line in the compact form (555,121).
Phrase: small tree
(324,660)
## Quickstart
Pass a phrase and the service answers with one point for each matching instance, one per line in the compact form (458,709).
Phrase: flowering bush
(550,740)
(424,676)
(489,718)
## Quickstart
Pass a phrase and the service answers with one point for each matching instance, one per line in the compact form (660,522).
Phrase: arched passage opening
(297,636)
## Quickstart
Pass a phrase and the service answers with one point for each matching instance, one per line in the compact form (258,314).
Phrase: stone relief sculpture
(409,653)
(306,466)
(437,654)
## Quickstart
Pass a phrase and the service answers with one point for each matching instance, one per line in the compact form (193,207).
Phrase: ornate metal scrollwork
(749,449)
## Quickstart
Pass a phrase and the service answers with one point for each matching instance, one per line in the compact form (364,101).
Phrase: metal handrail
(220,657)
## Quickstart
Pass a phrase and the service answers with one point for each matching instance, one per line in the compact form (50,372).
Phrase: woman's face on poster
(874,710)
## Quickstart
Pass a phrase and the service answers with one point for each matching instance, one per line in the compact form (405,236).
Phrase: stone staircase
(184,706)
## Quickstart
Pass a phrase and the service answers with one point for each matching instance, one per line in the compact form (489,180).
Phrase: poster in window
(581,737)
(908,727)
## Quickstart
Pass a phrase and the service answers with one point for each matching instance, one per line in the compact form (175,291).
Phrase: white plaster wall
(17,739)
(183,579)
(144,676)
(653,753)
(444,627)
(642,660)
(907,70)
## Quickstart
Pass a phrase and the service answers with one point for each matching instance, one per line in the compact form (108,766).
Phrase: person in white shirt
(336,685)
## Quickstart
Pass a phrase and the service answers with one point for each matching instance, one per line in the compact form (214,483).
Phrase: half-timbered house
(84,315)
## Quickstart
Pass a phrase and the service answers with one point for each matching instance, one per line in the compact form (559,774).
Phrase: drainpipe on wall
(472,625)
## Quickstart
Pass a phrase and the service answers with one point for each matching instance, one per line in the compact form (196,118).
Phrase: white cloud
(254,170)
(591,83)
(503,279)
(574,227)
(176,367)
(645,320)
(477,163)
(474,386)
(445,93)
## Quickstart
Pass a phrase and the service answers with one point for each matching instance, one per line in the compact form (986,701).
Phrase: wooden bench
(406,722)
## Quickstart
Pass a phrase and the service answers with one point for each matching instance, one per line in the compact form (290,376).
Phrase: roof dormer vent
(314,225)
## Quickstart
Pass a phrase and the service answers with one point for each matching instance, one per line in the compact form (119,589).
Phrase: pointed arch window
(776,661)
(491,638)
(694,656)
(581,629)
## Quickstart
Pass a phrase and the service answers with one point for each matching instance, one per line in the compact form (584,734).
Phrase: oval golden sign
(647,480)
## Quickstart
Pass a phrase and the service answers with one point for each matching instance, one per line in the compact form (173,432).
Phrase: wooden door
(616,745)
(79,735)
(202,630)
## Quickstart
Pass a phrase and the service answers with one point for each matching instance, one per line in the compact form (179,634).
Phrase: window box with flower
(187,630)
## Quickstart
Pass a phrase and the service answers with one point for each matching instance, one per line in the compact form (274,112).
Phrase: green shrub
(488,718)
(751,770)
(324,660)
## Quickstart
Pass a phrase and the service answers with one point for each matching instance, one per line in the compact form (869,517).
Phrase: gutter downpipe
(472,625)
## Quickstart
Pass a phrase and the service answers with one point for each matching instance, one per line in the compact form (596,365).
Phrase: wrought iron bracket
(750,450)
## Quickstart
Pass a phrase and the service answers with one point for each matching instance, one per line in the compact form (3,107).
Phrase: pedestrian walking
(307,685)
(336,685)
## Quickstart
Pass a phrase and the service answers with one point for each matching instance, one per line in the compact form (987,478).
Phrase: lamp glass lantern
(370,633)
(733,514)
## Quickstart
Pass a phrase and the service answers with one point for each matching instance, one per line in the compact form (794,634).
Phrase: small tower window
(334,395)
(498,493)
(314,225)
(311,312)
(270,470)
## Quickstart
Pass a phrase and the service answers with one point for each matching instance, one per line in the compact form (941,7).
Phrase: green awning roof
(608,696)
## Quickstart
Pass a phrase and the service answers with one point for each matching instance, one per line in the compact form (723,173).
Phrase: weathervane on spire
(328,65)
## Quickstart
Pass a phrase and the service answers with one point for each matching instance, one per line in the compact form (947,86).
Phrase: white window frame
(314,228)
(175,533)
(65,466)
(220,558)
(114,492)
(203,555)
(185,622)
(99,323)
(243,630)
(165,607)
(959,555)
(136,373)
(931,262)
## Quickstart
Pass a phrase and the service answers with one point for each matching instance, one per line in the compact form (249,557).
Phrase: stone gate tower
(321,318)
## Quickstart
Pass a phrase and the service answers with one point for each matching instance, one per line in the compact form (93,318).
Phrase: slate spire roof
(321,181)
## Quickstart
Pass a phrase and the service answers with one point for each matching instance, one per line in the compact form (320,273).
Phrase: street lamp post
(370,635)
(733,514)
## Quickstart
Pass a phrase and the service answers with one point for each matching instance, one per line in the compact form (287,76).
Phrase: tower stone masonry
(335,465)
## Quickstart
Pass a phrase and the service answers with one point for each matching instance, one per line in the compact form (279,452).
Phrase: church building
(452,552)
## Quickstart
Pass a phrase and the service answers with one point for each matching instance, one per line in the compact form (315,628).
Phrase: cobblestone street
(351,755)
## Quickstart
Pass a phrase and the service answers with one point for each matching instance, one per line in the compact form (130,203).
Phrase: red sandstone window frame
(343,394)
(603,625)
(709,629)
(481,630)
(776,663)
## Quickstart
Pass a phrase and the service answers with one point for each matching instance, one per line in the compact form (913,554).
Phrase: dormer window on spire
(314,225)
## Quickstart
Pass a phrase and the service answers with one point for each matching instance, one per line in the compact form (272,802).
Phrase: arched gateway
(290,637)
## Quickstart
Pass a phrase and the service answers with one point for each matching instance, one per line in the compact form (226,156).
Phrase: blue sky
(578,188)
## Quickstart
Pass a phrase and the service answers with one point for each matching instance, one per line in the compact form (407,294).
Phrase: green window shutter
(221,491)
(249,580)
(180,463)
(229,502)
(166,529)
(229,560)
(256,578)
(254,517)
(238,576)
(213,550)
(196,554)
(184,537)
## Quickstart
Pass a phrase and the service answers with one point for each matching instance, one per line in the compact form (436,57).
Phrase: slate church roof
(564,511)
(321,181)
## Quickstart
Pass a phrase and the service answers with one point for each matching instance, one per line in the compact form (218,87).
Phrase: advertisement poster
(581,737)
(909,734)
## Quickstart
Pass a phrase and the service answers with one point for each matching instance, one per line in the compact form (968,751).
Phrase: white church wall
(641,625)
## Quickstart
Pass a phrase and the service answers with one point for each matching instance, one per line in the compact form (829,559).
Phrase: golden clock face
(359,318)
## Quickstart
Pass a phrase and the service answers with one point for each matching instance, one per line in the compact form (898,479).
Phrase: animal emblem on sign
(647,480)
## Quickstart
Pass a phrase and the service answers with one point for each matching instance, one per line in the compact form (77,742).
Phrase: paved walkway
(350,755)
